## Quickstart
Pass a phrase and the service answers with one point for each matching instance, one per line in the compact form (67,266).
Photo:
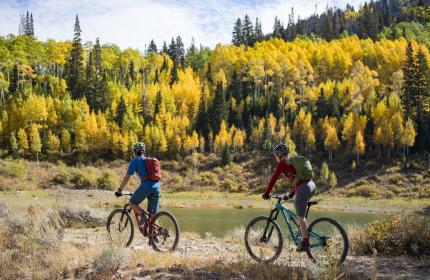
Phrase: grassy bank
(209,199)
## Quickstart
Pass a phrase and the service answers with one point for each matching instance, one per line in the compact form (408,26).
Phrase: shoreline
(213,199)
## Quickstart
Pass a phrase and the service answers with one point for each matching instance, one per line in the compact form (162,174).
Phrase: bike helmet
(139,147)
(281,150)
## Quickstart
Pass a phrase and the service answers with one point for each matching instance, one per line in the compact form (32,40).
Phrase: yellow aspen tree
(222,139)
(408,137)
(35,142)
(378,139)
(81,141)
(303,130)
(272,124)
(397,126)
(53,142)
(291,145)
(201,144)
(65,141)
(22,141)
(331,141)
(360,145)
(281,133)
(238,140)
(194,140)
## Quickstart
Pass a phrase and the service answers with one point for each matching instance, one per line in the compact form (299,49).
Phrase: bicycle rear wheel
(164,232)
(263,239)
(120,227)
(329,242)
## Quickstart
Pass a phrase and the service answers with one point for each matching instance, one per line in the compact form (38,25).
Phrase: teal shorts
(150,191)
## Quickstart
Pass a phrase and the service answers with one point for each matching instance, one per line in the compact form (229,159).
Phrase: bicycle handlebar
(130,194)
(280,196)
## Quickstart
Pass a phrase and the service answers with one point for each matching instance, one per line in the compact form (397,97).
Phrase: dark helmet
(139,147)
(281,150)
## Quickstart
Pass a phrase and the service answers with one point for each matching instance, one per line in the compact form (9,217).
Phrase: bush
(325,172)
(363,190)
(332,180)
(394,235)
(82,216)
(230,185)
(108,181)
(85,180)
(109,261)
(13,168)
(208,179)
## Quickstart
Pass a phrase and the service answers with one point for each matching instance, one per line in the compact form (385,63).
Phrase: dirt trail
(215,249)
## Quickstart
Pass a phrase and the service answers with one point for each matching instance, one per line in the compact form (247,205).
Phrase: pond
(219,221)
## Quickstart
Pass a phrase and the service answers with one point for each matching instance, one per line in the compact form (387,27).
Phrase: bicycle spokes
(120,227)
(263,239)
(164,233)
(328,242)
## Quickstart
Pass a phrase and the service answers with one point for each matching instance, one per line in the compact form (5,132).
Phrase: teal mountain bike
(264,239)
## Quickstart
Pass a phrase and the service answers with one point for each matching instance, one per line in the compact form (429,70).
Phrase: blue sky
(133,23)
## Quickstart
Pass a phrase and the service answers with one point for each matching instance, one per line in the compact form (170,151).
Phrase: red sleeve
(282,167)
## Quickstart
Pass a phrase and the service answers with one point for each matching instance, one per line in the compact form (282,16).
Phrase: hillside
(248,174)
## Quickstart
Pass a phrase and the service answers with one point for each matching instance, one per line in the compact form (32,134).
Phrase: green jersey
(303,169)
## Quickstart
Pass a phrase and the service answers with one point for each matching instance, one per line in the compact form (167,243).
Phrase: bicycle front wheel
(329,242)
(120,227)
(263,239)
(164,232)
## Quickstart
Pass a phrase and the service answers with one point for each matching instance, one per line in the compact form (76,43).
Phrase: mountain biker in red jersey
(299,170)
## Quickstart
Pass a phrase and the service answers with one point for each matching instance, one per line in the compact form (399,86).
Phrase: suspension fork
(268,231)
(125,209)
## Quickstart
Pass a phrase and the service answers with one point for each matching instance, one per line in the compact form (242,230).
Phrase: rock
(147,277)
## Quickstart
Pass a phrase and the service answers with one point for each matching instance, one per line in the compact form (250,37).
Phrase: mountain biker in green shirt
(299,170)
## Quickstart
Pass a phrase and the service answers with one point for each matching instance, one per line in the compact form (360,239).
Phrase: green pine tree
(202,123)
(75,64)
(226,156)
(121,111)
(408,81)
(152,48)
(237,39)
(219,109)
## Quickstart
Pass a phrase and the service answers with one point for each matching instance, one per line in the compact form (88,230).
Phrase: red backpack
(153,169)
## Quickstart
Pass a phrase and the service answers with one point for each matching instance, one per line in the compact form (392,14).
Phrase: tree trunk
(379,150)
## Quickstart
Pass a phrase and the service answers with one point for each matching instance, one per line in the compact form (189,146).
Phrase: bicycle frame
(137,217)
(288,215)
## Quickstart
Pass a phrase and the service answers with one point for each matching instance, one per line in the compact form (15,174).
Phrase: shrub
(109,260)
(78,178)
(325,172)
(394,235)
(82,216)
(363,190)
(208,179)
(332,180)
(13,168)
(395,189)
(417,178)
(85,180)
(230,185)
(109,180)
(218,170)
(353,165)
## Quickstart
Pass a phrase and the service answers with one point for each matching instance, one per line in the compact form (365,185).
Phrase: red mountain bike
(161,229)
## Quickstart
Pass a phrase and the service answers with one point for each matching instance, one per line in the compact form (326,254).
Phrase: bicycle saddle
(310,203)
